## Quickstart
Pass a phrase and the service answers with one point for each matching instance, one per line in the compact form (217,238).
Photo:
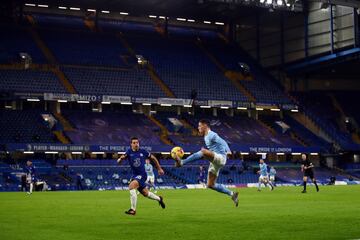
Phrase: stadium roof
(205,9)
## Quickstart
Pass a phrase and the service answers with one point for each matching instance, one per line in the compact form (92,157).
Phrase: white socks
(133,199)
(31,187)
(153,196)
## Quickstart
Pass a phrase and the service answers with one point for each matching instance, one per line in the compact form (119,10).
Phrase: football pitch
(285,213)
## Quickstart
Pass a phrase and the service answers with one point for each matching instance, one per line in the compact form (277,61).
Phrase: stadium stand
(261,86)
(14,40)
(111,128)
(30,81)
(319,108)
(128,82)
(104,62)
(183,67)
(26,126)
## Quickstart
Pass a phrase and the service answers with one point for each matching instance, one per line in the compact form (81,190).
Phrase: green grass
(333,213)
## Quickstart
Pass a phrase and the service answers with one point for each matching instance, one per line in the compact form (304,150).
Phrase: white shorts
(218,162)
(150,179)
(272,178)
(263,178)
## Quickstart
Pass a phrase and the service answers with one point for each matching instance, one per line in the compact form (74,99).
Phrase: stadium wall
(281,37)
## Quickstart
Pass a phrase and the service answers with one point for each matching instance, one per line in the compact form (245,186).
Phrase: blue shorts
(141,179)
(32,179)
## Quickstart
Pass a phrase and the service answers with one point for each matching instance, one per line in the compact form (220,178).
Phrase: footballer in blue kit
(136,157)
(30,176)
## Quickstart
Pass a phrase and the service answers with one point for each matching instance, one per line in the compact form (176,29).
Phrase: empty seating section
(262,87)
(59,22)
(352,168)
(244,131)
(190,33)
(183,67)
(126,83)
(30,81)
(87,48)
(127,27)
(306,135)
(284,128)
(111,128)
(15,40)
(318,106)
(347,100)
(25,126)
(178,61)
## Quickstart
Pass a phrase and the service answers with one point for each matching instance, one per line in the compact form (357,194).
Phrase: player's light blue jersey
(263,169)
(216,144)
(272,172)
(149,170)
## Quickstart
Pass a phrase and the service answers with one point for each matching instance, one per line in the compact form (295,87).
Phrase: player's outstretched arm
(157,164)
(122,157)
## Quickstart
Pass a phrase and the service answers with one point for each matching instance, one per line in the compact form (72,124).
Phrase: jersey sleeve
(220,140)
(127,152)
(227,148)
(146,153)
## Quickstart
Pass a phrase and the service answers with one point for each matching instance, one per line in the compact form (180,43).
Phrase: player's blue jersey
(272,172)
(30,170)
(137,160)
(149,170)
(263,169)
(216,144)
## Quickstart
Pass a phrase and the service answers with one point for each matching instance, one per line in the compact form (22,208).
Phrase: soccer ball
(177,151)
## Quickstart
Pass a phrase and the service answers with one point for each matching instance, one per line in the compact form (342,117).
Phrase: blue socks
(193,157)
(222,189)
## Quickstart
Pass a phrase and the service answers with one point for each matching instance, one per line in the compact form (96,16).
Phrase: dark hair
(205,121)
(133,138)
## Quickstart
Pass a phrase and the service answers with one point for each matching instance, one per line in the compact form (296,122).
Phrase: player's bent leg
(209,155)
(146,193)
(268,183)
(216,186)
(211,183)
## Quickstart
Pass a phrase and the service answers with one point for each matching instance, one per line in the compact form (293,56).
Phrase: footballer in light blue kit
(272,174)
(136,157)
(264,176)
(216,154)
(150,180)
